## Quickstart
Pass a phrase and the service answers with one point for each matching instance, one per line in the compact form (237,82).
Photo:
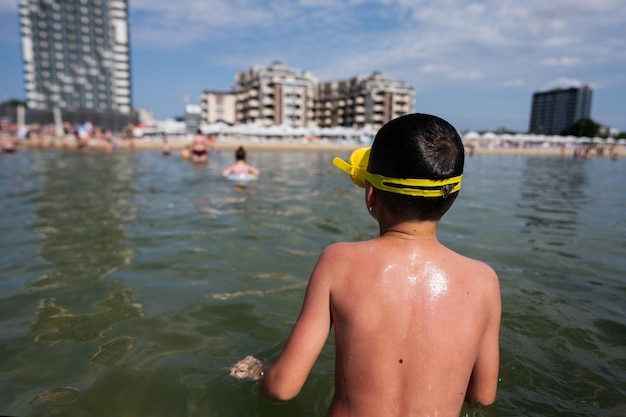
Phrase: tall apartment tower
(275,95)
(555,110)
(76,54)
(362,101)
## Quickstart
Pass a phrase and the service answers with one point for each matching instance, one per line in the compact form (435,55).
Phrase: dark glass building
(76,55)
(555,110)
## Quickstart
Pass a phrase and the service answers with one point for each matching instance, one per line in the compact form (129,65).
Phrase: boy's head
(415,164)
(418,146)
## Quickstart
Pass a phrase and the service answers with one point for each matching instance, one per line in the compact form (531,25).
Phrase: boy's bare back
(410,325)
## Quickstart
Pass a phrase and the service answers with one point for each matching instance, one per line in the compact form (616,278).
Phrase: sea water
(130,282)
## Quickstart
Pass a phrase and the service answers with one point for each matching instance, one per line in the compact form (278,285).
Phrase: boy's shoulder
(351,248)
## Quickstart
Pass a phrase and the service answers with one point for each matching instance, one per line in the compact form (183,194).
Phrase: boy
(416,325)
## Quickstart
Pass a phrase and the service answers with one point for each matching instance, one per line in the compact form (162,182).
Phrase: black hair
(417,146)
(240,154)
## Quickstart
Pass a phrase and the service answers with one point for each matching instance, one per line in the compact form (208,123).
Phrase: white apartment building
(278,95)
(362,101)
(275,95)
(218,106)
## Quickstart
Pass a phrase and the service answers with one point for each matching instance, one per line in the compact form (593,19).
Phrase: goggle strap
(342,165)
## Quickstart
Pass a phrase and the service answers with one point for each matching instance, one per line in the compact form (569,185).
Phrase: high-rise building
(555,110)
(362,101)
(275,95)
(76,54)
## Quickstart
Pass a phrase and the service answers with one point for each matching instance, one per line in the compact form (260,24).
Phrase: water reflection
(54,324)
(551,195)
(82,206)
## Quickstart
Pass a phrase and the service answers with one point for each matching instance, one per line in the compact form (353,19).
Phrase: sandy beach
(331,146)
(311,145)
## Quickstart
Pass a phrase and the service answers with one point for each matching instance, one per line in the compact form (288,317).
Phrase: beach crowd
(197,147)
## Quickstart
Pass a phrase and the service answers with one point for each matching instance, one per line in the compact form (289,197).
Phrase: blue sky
(474,63)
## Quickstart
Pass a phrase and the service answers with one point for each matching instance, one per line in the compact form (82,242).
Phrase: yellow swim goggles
(356,167)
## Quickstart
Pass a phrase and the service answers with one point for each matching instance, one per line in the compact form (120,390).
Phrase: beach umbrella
(471,135)
(215,128)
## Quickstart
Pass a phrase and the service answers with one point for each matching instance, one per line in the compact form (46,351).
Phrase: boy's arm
(483,383)
(284,379)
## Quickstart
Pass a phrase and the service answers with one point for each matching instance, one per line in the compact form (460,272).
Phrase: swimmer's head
(415,163)
(240,154)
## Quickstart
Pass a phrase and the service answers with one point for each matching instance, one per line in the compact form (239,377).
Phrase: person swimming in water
(416,325)
(9,144)
(199,148)
(240,168)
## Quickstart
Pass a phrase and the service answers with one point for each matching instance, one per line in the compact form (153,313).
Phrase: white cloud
(435,69)
(514,83)
(564,61)
(562,83)
(163,23)
(561,41)
(466,75)
(8,6)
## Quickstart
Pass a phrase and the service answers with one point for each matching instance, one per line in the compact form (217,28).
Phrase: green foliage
(13,102)
(583,127)
(502,130)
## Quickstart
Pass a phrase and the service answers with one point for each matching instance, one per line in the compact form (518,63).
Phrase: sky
(474,63)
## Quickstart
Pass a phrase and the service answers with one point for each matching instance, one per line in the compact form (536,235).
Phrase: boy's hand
(249,367)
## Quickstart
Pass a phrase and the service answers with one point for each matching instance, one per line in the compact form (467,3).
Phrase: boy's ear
(370,195)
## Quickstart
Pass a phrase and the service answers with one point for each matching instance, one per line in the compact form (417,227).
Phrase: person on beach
(416,325)
(240,167)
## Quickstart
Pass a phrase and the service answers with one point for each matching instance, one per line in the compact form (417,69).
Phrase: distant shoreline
(320,146)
